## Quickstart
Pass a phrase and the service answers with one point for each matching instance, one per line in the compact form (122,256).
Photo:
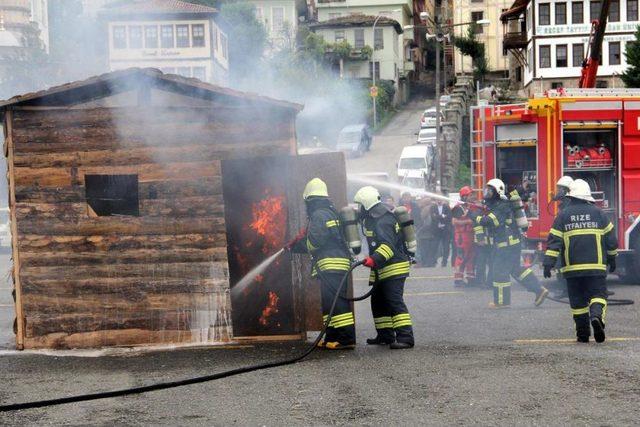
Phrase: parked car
(426,136)
(414,161)
(444,100)
(354,140)
(415,181)
(428,119)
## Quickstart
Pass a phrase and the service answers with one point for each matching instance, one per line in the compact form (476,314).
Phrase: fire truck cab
(592,134)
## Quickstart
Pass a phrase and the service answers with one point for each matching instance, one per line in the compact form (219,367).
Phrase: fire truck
(593,134)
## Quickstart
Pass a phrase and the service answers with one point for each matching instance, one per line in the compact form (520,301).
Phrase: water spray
(255,272)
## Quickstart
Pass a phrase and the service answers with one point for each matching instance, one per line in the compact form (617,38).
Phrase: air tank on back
(518,210)
(407,228)
(349,224)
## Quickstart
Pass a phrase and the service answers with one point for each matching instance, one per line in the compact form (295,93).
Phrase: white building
(549,41)
(280,19)
(358,31)
(398,10)
(174,36)
(27,21)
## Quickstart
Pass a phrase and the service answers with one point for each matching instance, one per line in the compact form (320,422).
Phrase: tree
(471,47)
(631,76)
(247,38)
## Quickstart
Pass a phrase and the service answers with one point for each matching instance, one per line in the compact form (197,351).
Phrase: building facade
(489,35)
(384,42)
(173,36)
(280,18)
(549,41)
(27,21)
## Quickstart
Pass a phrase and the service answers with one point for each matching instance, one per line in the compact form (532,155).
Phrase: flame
(269,221)
(270,309)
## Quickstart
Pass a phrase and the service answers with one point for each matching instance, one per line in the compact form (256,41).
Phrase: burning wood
(270,309)
(269,222)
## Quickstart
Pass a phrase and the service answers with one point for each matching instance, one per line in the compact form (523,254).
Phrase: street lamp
(440,37)
(373,64)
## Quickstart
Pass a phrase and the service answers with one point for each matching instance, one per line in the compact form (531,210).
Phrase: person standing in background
(442,229)
(426,238)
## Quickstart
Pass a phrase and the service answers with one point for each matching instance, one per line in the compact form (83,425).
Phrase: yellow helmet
(315,188)
(367,196)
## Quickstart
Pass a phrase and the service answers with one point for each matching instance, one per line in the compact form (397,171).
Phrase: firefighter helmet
(315,188)
(367,196)
(497,185)
(465,191)
(579,189)
(565,181)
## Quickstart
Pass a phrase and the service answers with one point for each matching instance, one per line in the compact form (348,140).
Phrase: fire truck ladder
(477,147)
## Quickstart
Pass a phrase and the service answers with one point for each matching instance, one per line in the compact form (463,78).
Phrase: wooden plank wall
(161,277)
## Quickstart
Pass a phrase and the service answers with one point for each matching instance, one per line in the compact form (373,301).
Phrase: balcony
(515,40)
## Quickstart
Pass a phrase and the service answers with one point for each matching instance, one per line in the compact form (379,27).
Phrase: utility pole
(438,141)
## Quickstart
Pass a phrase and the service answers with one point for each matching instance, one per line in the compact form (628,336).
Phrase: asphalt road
(472,365)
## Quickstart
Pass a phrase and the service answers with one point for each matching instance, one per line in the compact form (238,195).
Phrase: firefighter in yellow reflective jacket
(585,241)
(387,256)
(331,259)
(506,248)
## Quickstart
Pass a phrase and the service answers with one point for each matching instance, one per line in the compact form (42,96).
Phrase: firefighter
(562,191)
(323,240)
(483,249)
(463,237)
(506,248)
(584,239)
(387,257)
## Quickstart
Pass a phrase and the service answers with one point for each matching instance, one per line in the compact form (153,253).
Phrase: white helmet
(579,189)
(367,196)
(565,181)
(315,188)
(497,185)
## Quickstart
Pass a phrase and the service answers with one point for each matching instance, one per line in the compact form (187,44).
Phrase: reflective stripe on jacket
(584,238)
(386,244)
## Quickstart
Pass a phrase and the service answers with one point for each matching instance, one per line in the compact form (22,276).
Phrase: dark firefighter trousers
(390,313)
(505,263)
(588,300)
(342,326)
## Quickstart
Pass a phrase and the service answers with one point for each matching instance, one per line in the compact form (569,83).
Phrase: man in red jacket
(463,222)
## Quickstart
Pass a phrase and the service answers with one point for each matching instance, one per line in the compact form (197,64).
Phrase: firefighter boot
(379,340)
(583,338)
(400,345)
(598,329)
(335,345)
(541,295)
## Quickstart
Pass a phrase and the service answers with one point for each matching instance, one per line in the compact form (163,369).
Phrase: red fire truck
(593,134)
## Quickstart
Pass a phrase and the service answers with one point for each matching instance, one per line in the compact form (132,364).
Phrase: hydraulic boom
(594,48)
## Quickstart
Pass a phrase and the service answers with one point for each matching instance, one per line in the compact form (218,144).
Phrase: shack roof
(108,84)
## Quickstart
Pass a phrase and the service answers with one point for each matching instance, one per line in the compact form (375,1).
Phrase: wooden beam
(14,232)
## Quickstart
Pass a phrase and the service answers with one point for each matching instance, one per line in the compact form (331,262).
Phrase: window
(377,67)
(378,39)
(475,17)
(614,53)
(561,55)
(632,10)
(477,1)
(545,56)
(578,54)
(614,11)
(339,36)
(561,13)
(223,45)
(518,73)
(594,10)
(544,14)
(602,84)
(197,34)
(166,36)
(109,195)
(556,85)
(277,18)
(215,38)
(135,37)
(182,35)
(120,37)
(151,37)
(358,38)
(577,12)
(200,73)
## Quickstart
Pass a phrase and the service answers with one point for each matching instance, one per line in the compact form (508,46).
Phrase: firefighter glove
(612,264)
(547,271)
(369,262)
(301,235)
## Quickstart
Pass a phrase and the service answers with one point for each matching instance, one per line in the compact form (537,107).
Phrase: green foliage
(463,177)
(247,37)
(631,76)
(471,47)
(366,52)
(341,50)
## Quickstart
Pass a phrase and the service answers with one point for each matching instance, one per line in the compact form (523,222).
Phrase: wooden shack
(138,198)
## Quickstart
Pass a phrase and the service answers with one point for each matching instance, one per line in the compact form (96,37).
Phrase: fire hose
(188,381)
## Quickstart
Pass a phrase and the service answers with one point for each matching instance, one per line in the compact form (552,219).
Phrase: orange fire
(269,221)
(270,309)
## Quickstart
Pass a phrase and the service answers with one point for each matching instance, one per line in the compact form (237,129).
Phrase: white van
(414,161)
